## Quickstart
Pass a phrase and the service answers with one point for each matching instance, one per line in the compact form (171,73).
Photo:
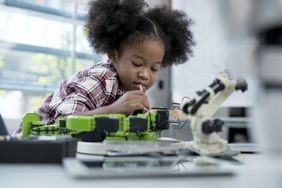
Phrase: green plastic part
(80,123)
(28,119)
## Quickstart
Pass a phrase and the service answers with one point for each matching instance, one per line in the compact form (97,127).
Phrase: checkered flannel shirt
(87,90)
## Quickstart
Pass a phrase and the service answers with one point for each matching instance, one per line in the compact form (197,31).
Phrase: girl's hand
(130,101)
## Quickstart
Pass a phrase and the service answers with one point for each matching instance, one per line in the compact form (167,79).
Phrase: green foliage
(50,69)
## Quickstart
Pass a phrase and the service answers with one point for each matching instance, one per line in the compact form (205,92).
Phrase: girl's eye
(155,69)
(136,64)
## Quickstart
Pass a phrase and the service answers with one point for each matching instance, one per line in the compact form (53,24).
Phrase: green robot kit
(143,126)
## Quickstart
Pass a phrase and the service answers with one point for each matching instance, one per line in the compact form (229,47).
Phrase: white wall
(158,2)
(214,52)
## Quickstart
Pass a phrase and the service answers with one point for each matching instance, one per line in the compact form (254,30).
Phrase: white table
(255,173)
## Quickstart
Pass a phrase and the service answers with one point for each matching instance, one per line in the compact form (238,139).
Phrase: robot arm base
(214,147)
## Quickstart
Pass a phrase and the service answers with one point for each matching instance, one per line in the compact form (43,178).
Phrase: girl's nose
(144,74)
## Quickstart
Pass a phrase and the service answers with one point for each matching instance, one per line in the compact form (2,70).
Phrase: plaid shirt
(89,89)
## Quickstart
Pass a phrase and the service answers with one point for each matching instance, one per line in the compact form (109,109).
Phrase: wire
(180,163)
(180,126)
(185,97)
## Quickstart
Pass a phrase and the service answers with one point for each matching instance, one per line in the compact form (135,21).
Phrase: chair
(3,129)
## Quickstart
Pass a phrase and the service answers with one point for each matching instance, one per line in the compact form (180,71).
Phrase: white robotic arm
(201,109)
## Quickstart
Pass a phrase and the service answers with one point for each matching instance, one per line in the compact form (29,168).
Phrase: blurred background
(42,42)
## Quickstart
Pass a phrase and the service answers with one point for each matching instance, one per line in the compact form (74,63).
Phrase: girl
(138,43)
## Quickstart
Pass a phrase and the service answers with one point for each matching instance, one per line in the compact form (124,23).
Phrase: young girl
(138,44)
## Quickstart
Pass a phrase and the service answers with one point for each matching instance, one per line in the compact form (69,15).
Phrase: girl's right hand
(130,101)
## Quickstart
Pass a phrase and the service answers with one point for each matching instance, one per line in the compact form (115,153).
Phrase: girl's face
(139,64)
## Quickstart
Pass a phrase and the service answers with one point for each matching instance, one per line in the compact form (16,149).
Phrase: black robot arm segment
(241,85)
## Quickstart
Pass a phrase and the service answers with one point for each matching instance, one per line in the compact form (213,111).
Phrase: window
(42,42)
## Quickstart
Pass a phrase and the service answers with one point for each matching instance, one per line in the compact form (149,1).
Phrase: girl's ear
(113,56)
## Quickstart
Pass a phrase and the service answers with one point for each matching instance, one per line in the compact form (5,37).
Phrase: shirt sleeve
(87,94)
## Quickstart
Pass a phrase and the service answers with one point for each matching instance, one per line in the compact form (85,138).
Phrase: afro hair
(112,22)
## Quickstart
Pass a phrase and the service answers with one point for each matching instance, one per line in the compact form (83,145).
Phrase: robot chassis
(101,127)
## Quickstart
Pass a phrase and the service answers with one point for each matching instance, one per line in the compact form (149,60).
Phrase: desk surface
(256,172)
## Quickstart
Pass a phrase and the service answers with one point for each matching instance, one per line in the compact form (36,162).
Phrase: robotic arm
(201,109)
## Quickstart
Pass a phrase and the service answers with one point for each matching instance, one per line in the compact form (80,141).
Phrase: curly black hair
(112,23)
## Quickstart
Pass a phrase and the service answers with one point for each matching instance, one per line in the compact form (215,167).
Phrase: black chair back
(3,129)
